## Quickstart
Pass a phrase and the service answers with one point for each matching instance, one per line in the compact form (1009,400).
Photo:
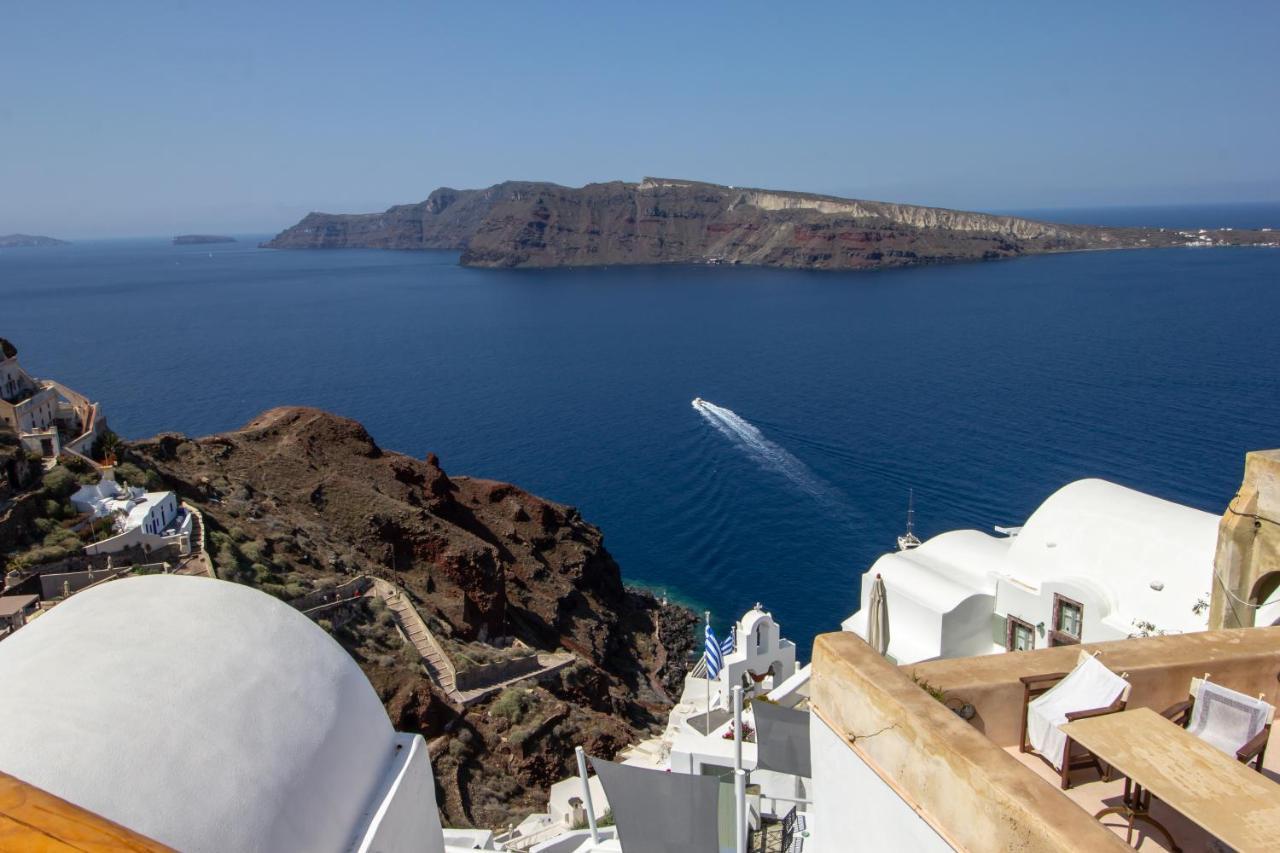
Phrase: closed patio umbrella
(878,618)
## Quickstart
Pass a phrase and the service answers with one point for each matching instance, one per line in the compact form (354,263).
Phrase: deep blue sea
(984,387)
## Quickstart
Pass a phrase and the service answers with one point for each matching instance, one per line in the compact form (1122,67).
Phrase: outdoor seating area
(1161,743)
(1164,776)
(1191,759)
(1218,798)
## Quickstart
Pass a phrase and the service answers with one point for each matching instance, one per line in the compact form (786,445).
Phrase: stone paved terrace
(1092,795)
(895,767)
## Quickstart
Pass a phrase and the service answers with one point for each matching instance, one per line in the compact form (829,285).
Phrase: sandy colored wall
(972,793)
(1248,543)
(1160,670)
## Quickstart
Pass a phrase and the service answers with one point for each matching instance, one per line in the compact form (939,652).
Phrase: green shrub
(60,483)
(128,473)
(934,691)
(512,705)
(62,537)
(36,557)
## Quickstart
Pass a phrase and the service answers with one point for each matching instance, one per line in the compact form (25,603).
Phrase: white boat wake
(769,455)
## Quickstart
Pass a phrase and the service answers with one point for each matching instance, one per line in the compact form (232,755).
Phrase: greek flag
(712,654)
(727,645)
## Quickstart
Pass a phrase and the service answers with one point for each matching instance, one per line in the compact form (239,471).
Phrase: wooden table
(1231,802)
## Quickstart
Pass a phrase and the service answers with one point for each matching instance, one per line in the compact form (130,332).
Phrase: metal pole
(586,794)
(739,775)
(706,720)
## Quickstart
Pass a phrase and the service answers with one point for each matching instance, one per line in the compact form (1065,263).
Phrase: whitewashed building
(144,519)
(47,416)
(1096,561)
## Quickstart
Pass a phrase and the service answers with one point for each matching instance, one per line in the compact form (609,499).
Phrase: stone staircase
(197,561)
(439,668)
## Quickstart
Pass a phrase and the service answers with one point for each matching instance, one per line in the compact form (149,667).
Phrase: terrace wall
(889,756)
(1159,668)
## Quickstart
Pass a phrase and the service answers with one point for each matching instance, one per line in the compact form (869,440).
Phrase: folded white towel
(1090,685)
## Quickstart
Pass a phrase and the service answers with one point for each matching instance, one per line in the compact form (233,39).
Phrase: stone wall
(60,584)
(321,597)
(492,673)
(1247,564)
(1159,668)
(98,562)
(972,793)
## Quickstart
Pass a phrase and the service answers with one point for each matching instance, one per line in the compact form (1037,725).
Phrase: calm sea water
(984,387)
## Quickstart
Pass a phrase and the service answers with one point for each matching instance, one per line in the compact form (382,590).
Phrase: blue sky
(144,118)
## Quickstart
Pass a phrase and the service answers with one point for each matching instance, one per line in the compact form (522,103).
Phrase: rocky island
(200,239)
(663,221)
(29,241)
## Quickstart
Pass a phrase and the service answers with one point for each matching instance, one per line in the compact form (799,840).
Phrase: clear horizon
(242,119)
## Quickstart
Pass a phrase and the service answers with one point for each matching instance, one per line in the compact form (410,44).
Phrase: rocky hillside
(660,221)
(299,501)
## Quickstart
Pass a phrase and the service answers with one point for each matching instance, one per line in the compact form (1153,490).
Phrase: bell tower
(1246,567)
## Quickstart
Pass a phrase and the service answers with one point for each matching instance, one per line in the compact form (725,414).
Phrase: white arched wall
(966,629)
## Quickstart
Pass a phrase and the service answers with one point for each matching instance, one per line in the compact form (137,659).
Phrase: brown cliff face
(299,499)
(669,221)
(661,221)
(446,220)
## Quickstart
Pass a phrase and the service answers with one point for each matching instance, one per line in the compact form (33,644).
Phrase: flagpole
(739,775)
(586,794)
(706,720)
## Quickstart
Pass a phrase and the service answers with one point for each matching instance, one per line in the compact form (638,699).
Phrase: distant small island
(29,241)
(200,239)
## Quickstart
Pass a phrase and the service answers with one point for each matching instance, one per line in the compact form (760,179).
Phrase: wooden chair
(1240,725)
(1089,690)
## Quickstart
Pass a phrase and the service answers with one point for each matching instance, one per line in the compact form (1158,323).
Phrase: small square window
(1068,621)
(1019,635)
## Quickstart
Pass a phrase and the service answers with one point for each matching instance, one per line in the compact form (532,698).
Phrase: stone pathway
(198,562)
(411,625)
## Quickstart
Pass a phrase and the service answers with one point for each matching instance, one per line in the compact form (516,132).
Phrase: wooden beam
(35,820)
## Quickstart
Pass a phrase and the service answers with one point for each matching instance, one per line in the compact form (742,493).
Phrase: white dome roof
(1101,534)
(201,713)
(1090,527)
